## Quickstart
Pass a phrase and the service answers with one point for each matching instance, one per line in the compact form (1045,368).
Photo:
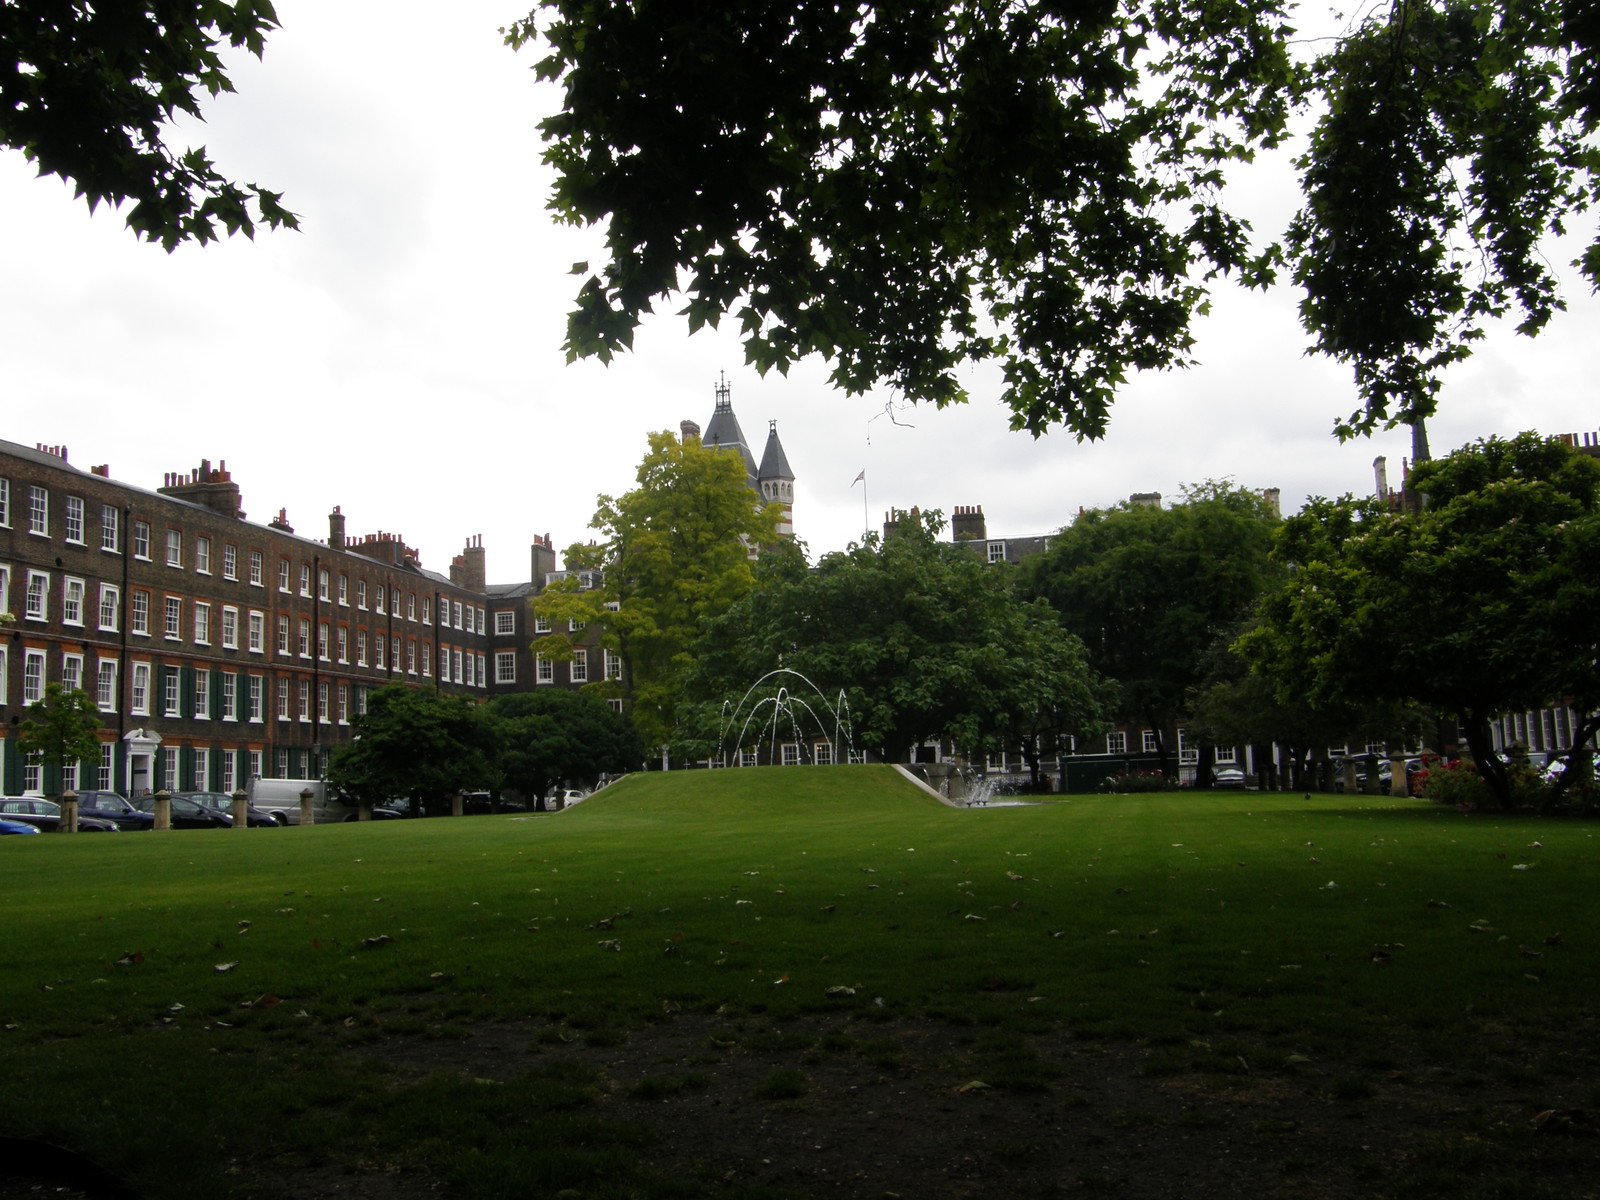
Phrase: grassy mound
(161,974)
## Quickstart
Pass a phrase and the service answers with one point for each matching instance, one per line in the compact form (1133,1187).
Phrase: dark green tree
(1233,705)
(415,743)
(551,739)
(907,189)
(61,728)
(1454,139)
(88,92)
(1481,603)
(674,552)
(925,640)
(1149,589)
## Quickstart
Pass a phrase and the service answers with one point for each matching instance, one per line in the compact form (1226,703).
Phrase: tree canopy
(925,639)
(61,728)
(1150,588)
(1483,602)
(88,92)
(1454,138)
(552,737)
(416,743)
(1233,705)
(908,189)
(674,552)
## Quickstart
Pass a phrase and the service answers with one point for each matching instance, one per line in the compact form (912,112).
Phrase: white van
(283,796)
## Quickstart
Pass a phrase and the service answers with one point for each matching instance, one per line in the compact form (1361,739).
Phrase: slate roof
(774,463)
(723,433)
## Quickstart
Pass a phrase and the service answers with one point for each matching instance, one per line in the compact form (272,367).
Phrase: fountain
(779,710)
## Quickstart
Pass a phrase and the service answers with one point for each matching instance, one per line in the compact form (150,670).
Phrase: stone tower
(773,480)
(776,480)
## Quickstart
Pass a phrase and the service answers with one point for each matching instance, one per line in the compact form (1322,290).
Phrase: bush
(1458,783)
(1138,781)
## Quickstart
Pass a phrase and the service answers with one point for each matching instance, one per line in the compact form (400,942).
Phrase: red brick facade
(246,648)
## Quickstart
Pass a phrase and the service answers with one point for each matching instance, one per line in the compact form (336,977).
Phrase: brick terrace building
(216,649)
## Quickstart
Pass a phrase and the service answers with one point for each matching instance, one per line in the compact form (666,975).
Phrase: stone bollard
(241,810)
(69,811)
(458,804)
(308,815)
(163,810)
(1399,781)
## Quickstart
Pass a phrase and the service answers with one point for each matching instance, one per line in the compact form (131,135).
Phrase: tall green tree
(61,728)
(925,640)
(415,743)
(89,91)
(1481,603)
(553,738)
(673,553)
(1149,589)
(909,188)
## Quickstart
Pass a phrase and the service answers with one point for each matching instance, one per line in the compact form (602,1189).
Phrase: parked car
(45,815)
(222,804)
(1230,777)
(186,814)
(10,827)
(115,808)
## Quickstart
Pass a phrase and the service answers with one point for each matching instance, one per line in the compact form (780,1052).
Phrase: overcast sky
(400,356)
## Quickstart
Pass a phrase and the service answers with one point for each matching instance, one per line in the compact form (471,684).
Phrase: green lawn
(160,977)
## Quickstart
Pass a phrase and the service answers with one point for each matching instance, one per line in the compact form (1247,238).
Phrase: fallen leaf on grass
(227,966)
(1568,1121)
(372,943)
(132,959)
(977,1085)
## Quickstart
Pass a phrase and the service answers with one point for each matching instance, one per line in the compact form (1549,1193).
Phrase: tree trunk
(1495,774)
(1578,758)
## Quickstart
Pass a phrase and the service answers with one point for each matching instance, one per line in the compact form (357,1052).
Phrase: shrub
(1138,781)
(1458,783)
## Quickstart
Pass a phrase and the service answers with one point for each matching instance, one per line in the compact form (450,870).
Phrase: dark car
(222,804)
(186,814)
(45,815)
(114,808)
